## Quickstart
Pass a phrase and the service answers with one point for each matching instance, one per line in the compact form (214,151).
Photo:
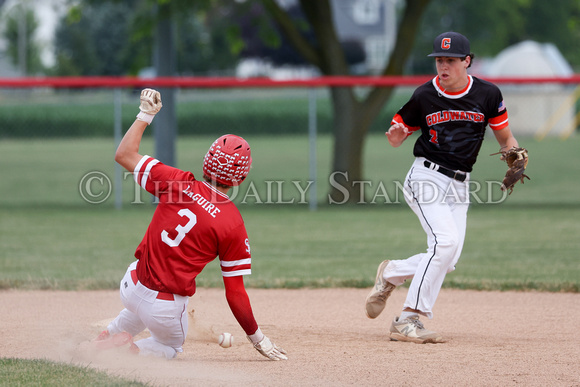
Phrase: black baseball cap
(451,44)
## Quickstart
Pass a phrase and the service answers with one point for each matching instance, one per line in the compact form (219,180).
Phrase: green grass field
(36,372)
(53,239)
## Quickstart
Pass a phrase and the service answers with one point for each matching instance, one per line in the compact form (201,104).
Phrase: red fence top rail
(232,82)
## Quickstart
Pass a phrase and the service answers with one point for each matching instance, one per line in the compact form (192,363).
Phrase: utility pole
(22,27)
(165,123)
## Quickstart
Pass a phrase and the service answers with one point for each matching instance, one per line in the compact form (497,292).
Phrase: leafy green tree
(94,42)
(206,41)
(117,37)
(497,24)
(558,23)
(33,63)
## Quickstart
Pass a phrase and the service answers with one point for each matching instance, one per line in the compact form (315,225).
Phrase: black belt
(459,176)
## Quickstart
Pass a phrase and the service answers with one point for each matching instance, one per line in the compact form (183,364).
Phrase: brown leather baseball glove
(517,161)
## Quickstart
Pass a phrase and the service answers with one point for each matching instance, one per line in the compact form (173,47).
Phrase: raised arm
(127,154)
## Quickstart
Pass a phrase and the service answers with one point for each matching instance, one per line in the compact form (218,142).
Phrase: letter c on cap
(446,43)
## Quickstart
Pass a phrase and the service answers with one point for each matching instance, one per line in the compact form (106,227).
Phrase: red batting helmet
(228,160)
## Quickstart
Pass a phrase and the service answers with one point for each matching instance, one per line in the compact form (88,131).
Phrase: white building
(540,109)
(47,13)
(372,23)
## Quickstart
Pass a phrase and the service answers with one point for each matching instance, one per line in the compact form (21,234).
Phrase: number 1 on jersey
(181,230)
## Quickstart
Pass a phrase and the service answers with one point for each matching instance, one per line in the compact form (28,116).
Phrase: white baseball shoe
(411,329)
(377,298)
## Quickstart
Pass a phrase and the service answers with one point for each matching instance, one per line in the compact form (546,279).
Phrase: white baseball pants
(145,308)
(441,204)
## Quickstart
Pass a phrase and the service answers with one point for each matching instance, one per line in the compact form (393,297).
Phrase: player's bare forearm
(505,139)
(239,303)
(127,154)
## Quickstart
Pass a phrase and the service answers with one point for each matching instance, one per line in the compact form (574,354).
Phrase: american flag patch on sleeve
(501,106)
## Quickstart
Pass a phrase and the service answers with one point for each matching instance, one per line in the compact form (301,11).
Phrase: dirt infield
(493,339)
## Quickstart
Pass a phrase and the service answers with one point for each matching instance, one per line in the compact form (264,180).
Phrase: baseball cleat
(107,341)
(103,335)
(377,298)
(411,329)
(134,349)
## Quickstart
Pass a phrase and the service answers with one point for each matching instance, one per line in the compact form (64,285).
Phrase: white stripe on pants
(441,204)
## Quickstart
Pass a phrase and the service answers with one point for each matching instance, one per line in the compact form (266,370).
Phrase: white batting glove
(269,349)
(150,105)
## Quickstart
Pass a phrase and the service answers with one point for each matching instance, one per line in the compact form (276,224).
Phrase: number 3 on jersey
(434,138)
(181,230)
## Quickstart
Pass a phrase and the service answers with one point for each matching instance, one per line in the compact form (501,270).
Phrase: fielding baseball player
(194,222)
(451,113)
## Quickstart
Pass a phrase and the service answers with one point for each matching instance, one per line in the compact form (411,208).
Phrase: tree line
(116,37)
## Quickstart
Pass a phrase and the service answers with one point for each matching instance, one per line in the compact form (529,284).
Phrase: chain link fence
(55,139)
(62,113)
(40,109)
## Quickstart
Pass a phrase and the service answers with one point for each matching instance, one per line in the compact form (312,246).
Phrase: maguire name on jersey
(192,225)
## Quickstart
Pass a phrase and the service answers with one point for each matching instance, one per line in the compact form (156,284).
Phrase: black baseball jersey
(453,124)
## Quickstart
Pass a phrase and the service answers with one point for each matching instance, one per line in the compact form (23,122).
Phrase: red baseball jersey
(453,124)
(192,224)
